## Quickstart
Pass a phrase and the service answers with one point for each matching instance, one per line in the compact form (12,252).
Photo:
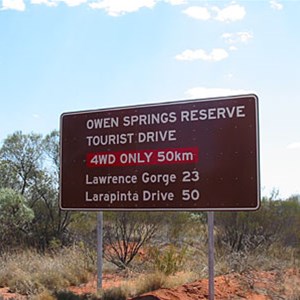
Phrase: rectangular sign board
(183,155)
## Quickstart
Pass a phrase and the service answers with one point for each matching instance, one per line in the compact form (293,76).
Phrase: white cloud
(276,5)
(13,4)
(231,13)
(293,146)
(233,48)
(46,2)
(72,2)
(198,12)
(176,2)
(119,7)
(245,36)
(239,37)
(52,3)
(228,76)
(204,92)
(199,54)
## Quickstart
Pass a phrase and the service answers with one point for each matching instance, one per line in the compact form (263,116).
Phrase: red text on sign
(143,157)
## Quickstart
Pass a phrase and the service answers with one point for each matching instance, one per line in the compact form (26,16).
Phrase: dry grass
(29,272)
(116,293)
(45,295)
(291,284)
(274,257)
(151,282)
(157,280)
(181,278)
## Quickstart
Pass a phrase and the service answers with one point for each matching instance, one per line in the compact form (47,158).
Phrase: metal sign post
(99,249)
(211,259)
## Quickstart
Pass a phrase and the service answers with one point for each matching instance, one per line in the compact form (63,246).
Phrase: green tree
(277,221)
(51,148)
(63,218)
(15,217)
(29,164)
(21,159)
(51,222)
(290,216)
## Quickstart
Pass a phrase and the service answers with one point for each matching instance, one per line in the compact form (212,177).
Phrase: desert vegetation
(44,251)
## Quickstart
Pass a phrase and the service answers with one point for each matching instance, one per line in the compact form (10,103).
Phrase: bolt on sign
(183,155)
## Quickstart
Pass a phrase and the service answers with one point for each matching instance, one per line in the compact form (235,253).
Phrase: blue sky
(67,55)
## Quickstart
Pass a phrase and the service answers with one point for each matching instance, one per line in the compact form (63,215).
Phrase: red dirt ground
(254,285)
(7,295)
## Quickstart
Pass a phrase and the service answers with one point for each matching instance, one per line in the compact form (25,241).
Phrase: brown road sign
(183,155)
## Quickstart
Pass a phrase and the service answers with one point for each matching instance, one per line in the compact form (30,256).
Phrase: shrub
(14,217)
(275,222)
(117,293)
(168,260)
(66,295)
(23,284)
(151,283)
(124,235)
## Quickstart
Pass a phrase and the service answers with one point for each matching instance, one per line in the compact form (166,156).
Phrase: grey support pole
(211,259)
(99,249)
